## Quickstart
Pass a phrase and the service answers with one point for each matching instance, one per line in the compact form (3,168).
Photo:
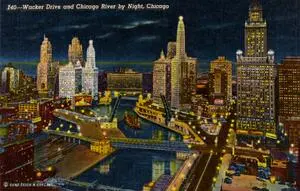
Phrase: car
(228,180)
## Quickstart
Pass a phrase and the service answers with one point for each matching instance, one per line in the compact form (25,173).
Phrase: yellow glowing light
(49,168)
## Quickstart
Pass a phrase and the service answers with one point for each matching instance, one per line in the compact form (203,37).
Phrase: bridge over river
(148,144)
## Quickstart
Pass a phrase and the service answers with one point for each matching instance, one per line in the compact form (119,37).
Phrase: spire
(255,4)
(180,39)
(162,54)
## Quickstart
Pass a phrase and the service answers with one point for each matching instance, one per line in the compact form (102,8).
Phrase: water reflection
(132,168)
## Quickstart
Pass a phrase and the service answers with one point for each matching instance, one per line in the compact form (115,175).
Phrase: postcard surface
(150,95)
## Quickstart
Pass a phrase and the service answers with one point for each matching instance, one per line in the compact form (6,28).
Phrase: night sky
(213,27)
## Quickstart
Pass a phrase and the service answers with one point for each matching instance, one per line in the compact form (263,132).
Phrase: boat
(132,120)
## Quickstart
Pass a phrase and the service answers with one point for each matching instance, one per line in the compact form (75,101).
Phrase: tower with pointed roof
(183,72)
(46,69)
(161,78)
(174,75)
(90,73)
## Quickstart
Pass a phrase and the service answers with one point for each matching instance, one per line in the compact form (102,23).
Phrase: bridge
(117,103)
(148,144)
(167,109)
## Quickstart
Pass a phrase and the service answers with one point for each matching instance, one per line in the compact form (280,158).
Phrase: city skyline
(216,29)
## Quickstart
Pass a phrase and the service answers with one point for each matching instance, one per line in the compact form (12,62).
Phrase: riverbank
(77,161)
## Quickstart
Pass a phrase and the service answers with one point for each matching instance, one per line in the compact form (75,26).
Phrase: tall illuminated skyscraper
(90,73)
(46,69)
(75,52)
(183,72)
(255,32)
(256,75)
(67,81)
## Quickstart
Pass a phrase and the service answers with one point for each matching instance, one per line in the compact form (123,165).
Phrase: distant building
(162,78)
(90,73)
(67,81)
(256,74)
(75,52)
(171,50)
(289,98)
(29,110)
(78,77)
(125,81)
(46,70)
(183,72)
(16,162)
(147,82)
(220,81)
(10,79)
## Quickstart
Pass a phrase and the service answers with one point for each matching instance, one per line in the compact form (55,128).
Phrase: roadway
(206,169)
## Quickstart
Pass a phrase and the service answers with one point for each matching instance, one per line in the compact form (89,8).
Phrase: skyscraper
(220,77)
(75,52)
(78,77)
(255,32)
(256,75)
(289,97)
(46,69)
(10,78)
(162,78)
(67,81)
(90,73)
(183,72)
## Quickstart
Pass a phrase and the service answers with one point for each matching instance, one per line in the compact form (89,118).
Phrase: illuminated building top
(75,51)
(255,32)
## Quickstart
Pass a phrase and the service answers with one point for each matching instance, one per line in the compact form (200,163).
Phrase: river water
(132,168)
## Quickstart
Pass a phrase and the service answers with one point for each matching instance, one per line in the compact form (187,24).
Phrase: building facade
(220,81)
(67,81)
(10,79)
(255,32)
(162,78)
(75,52)
(289,97)
(29,110)
(90,73)
(183,72)
(78,77)
(256,75)
(125,81)
(46,70)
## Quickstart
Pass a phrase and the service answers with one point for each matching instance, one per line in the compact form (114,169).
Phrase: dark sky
(213,27)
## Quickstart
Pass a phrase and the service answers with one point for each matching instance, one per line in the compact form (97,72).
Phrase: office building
(256,74)
(67,81)
(289,97)
(162,78)
(90,73)
(220,81)
(75,52)
(10,79)
(125,81)
(46,70)
(183,73)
